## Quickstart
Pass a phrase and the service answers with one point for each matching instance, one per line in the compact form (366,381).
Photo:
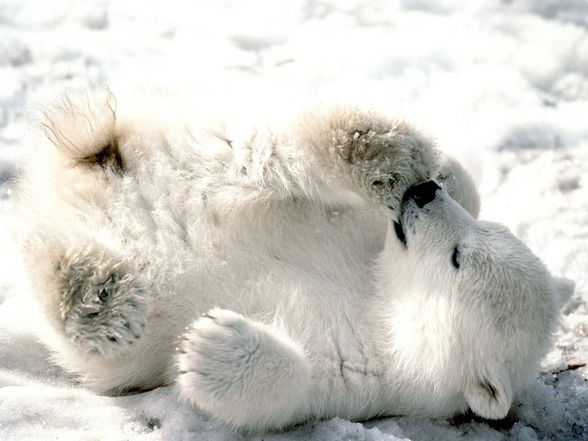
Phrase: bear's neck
(421,329)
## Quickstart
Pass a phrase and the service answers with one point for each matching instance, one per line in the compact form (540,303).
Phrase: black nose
(422,193)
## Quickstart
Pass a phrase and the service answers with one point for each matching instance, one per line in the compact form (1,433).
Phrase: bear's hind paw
(103,305)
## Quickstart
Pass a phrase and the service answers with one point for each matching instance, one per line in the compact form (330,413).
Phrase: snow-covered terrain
(503,85)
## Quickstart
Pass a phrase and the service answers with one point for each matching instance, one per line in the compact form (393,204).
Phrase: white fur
(282,236)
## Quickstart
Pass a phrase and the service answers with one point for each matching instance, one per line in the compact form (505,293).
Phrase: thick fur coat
(278,273)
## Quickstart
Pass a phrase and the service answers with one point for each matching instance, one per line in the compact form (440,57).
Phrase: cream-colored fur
(262,270)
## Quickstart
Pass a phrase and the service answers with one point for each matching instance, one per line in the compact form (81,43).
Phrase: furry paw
(459,184)
(390,161)
(386,157)
(103,306)
(242,371)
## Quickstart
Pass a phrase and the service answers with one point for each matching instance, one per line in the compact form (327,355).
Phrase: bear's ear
(564,288)
(491,396)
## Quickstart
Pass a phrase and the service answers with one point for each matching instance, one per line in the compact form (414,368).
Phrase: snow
(503,85)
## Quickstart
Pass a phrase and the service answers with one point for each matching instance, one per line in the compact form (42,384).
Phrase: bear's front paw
(103,305)
(218,353)
(386,157)
(392,161)
(230,366)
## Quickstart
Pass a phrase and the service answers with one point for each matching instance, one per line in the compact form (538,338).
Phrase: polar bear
(331,266)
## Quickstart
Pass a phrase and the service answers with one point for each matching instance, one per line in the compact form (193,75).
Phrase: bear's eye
(455,258)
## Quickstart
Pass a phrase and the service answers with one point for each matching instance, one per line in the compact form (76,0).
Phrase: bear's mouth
(398,226)
(400,232)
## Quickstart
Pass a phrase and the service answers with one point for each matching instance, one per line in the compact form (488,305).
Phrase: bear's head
(487,302)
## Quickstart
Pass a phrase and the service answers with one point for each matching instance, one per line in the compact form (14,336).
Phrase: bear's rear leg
(102,303)
(243,372)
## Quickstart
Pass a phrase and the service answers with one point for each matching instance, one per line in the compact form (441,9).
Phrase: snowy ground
(501,84)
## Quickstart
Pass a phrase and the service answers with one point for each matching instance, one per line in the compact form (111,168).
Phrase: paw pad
(103,304)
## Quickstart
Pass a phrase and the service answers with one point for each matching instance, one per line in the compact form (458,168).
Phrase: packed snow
(502,85)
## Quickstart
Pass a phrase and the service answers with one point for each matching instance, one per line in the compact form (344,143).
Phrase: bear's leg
(101,305)
(243,372)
